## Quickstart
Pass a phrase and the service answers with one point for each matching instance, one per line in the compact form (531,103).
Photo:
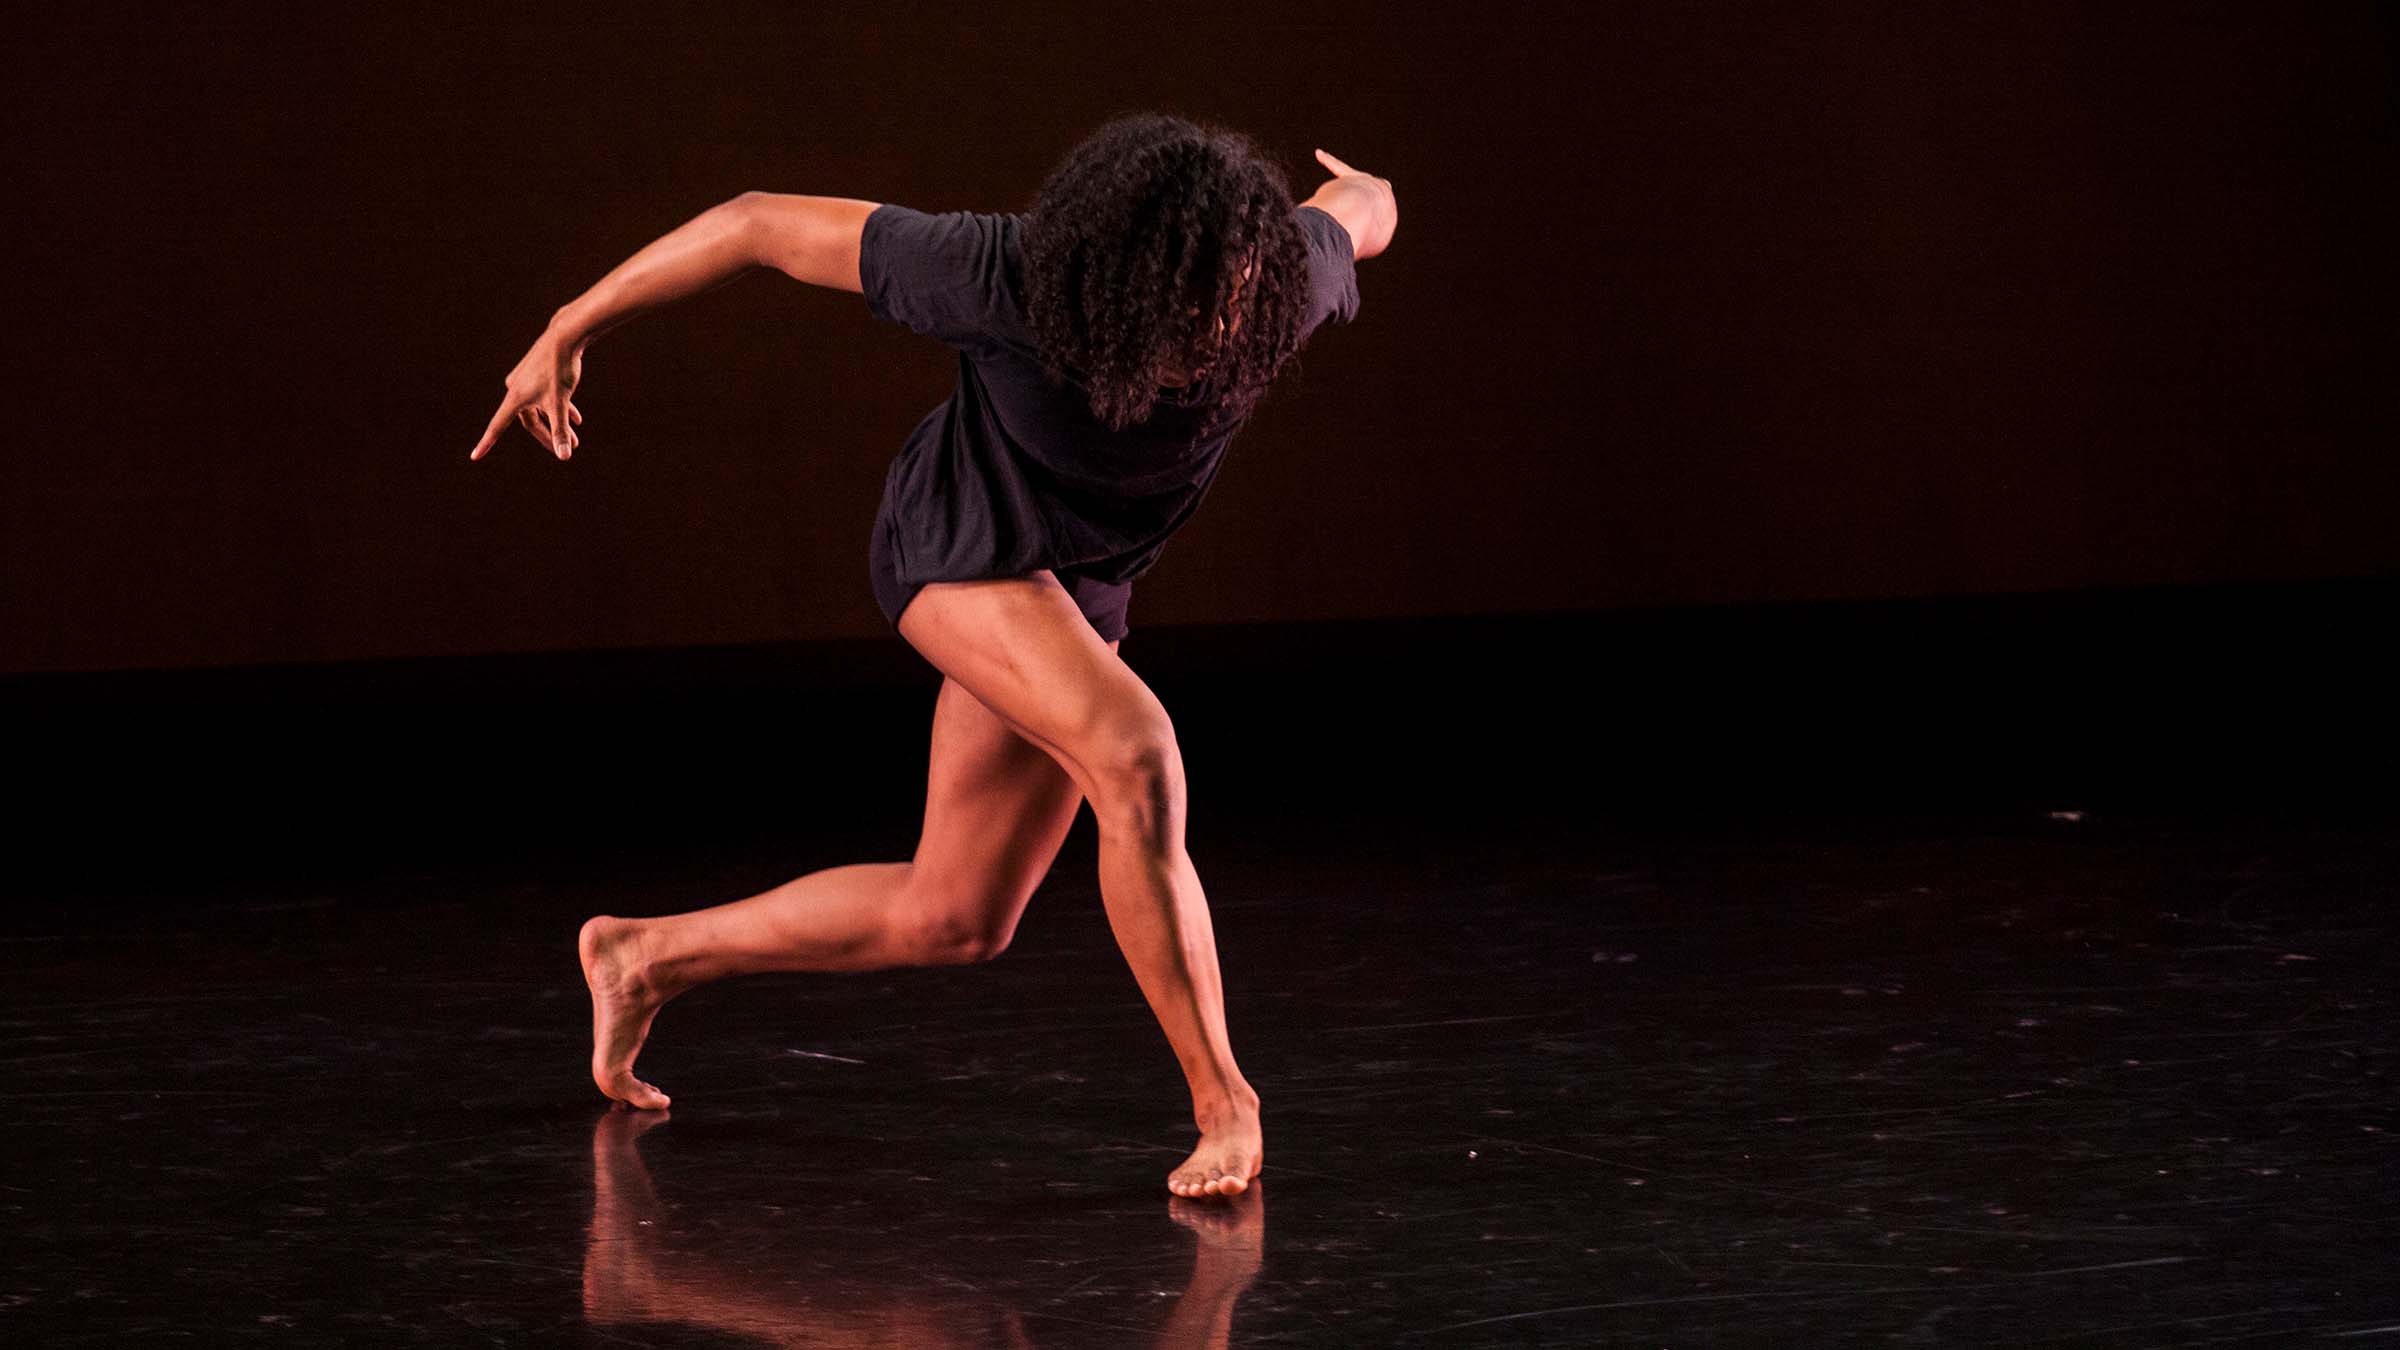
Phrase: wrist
(569,327)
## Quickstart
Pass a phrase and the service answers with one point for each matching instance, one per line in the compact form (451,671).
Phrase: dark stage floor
(2004,1081)
(2006,973)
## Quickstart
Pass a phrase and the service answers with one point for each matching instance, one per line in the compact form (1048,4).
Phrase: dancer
(1111,340)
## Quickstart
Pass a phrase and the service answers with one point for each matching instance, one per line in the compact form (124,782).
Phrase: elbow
(743,206)
(740,215)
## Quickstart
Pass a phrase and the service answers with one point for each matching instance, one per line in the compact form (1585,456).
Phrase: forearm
(704,252)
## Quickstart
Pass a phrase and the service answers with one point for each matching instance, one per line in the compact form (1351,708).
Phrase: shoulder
(946,274)
(906,240)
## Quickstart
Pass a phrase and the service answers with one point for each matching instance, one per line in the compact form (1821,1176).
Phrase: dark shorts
(1103,603)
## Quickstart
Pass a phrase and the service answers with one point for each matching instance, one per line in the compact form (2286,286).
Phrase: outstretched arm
(1363,204)
(812,238)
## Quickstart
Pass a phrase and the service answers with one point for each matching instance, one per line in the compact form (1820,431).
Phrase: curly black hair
(1135,254)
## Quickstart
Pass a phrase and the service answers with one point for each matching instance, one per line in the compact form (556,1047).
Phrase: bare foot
(623,1002)
(1237,1226)
(1227,1160)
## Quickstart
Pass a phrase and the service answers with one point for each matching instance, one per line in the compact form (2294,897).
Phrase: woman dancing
(1111,340)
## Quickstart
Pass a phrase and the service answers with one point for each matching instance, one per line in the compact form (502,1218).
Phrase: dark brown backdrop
(1688,304)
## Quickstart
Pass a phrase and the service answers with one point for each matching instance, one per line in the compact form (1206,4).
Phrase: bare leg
(835,919)
(1019,645)
(997,808)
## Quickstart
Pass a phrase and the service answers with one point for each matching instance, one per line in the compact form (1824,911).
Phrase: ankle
(1237,1105)
(639,959)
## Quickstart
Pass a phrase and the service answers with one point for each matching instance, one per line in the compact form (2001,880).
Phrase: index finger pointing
(492,432)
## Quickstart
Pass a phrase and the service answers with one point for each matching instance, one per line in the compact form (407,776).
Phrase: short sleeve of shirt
(1332,268)
(941,274)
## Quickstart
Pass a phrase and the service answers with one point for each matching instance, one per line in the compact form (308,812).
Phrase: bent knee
(954,923)
(953,937)
(1137,774)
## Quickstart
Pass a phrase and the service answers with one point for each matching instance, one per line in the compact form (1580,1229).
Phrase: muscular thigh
(997,809)
(1023,649)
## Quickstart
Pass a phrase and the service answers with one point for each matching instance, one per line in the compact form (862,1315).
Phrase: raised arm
(1363,204)
(813,238)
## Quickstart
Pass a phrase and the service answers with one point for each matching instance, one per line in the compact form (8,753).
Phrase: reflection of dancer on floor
(638,1268)
(1110,342)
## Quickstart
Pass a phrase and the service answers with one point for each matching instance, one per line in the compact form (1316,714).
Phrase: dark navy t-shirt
(1010,475)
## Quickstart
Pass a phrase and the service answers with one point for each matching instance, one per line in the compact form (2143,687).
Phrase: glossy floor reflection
(1997,1081)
